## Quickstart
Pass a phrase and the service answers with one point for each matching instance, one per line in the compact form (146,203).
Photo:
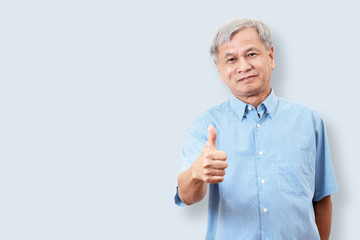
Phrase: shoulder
(214,112)
(221,108)
(293,105)
(304,112)
(211,116)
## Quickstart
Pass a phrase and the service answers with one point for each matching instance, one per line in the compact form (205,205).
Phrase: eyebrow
(247,50)
(252,49)
(228,54)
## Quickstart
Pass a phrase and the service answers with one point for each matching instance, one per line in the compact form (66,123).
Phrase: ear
(217,66)
(271,55)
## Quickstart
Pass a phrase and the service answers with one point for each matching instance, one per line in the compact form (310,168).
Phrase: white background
(96,96)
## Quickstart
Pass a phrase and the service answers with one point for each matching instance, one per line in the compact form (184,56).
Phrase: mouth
(247,78)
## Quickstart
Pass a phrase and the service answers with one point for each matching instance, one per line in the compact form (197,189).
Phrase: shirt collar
(270,103)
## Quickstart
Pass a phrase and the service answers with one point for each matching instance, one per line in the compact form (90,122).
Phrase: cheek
(231,71)
(226,73)
(263,68)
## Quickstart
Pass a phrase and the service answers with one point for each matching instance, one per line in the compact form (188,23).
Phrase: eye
(251,54)
(230,60)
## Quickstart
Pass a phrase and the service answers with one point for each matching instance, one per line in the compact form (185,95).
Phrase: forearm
(323,212)
(191,190)
(209,167)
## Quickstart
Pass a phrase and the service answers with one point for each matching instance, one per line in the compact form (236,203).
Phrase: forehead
(243,40)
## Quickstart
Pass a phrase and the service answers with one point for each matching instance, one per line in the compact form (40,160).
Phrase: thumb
(211,142)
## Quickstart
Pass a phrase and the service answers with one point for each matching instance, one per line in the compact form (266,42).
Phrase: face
(245,65)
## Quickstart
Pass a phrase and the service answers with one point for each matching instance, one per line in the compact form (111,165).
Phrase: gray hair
(230,28)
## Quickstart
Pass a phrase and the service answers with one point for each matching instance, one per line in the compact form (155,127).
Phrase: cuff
(326,192)
(177,199)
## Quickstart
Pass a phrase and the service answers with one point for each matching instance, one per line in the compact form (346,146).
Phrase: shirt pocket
(295,172)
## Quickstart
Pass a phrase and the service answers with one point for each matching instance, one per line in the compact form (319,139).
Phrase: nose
(243,65)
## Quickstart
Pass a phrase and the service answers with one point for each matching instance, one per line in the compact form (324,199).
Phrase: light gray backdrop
(96,96)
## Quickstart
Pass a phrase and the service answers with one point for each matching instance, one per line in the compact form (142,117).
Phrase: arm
(323,211)
(191,189)
(208,168)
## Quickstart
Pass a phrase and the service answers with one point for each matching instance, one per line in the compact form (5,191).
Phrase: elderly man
(265,160)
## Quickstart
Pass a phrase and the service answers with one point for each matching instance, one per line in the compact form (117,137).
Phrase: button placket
(262,154)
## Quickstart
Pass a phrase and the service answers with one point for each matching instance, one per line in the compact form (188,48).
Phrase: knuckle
(206,164)
(207,179)
(222,154)
(219,179)
(207,154)
(206,171)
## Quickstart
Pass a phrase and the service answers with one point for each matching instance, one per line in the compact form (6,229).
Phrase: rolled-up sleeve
(196,137)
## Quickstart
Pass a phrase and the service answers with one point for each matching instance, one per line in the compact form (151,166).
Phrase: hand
(211,164)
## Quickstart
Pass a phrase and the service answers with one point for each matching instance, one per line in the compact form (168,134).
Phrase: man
(265,160)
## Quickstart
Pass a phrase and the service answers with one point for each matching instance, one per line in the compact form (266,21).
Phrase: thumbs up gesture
(211,164)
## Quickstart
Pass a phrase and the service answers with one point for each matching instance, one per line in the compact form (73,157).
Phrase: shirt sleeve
(196,137)
(325,181)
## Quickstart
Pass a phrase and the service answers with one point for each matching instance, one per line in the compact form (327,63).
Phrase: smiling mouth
(247,78)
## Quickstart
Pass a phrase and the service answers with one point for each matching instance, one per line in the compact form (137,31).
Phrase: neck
(255,100)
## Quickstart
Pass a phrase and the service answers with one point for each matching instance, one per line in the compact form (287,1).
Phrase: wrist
(195,176)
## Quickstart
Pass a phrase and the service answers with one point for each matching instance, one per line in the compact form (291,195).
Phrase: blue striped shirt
(278,164)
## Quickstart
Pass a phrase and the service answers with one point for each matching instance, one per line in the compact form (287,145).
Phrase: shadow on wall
(338,199)
(278,75)
(198,210)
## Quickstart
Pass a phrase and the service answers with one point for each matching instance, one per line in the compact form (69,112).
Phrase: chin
(249,91)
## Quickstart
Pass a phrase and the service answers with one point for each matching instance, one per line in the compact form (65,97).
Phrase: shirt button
(262,181)
(265,210)
(258,125)
(260,153)
(249,108)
